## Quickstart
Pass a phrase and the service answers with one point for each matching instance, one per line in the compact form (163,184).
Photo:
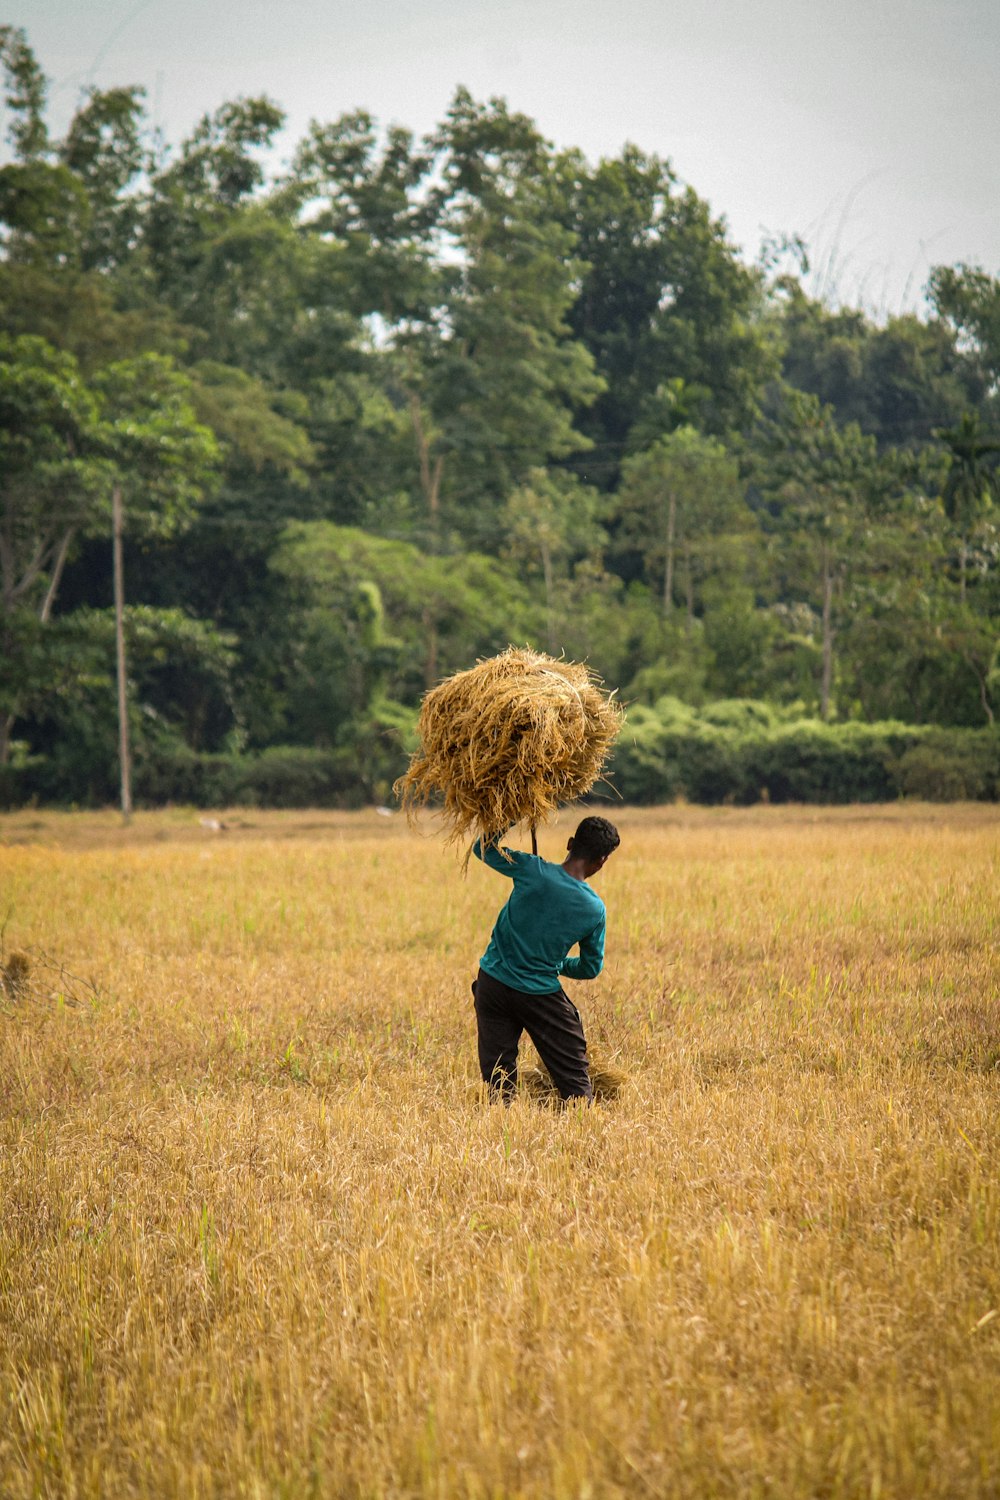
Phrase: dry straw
(607,1083)
(14,975)
(509,740)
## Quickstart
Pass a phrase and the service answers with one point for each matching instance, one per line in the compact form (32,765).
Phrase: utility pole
(124,754)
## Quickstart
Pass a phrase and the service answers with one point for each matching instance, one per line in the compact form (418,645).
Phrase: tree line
(403,401)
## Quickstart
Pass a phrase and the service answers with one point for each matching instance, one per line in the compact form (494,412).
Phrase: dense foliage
(407,401)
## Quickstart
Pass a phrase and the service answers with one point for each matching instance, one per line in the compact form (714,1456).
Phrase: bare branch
(57,572)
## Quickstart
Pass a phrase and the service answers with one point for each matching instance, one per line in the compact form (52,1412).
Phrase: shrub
(737,751)
(743,714)
(287,776)
(944,767)
(727,753)
(282,776)
(816,762)
(642,768)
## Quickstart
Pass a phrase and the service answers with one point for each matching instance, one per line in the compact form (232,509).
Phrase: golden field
(260,1234)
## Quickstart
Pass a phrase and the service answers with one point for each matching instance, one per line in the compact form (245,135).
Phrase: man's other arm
(591,959)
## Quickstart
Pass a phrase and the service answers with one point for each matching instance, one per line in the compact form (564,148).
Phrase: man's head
(594,840)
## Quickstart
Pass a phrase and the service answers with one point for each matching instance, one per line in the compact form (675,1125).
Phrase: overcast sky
(870,127)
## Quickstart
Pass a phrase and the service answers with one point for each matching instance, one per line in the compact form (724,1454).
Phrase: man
(550,909)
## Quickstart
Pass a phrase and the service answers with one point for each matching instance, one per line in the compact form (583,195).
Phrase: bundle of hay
(509,740)
(15,973)
(607,1083)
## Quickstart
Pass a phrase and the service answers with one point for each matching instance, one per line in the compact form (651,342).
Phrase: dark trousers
(553,1023)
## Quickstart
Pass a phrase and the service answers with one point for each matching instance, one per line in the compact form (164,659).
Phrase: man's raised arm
(490,854)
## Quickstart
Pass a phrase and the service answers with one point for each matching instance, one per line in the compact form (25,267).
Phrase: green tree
(493,379)
(53,485)
(911,652)
(678,502)
(373,207)
(226,265)
(550,520)
(972,483)
(817,483)
(179,671)
(43,207)
(25,95)
(359,605)
(898,381)
(104,151)
(969,299)
(153,446)
(662,296)
(71,213)
(247,419)
(65,443)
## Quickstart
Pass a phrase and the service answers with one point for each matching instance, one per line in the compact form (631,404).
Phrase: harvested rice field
(261,1235)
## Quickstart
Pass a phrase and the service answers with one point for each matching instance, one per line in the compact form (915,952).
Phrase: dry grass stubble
(261,1236)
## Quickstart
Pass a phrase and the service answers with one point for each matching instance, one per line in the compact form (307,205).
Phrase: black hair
(594,839)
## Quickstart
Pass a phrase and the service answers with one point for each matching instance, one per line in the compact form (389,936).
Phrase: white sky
(870,127)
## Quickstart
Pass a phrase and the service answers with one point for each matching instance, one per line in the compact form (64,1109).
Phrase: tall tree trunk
(7,580)
(429,622)
(6,602)
(430,483)
(827,635)
(11,588)
(984,697)
(430,470)
(668,571)
(963,567)
(689,593)
(124,751)
(547,575)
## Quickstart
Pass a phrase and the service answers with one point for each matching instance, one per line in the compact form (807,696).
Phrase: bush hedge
(283,776)
(670,751)
(726,753)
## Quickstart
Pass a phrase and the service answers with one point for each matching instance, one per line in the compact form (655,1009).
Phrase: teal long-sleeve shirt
(548,912)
